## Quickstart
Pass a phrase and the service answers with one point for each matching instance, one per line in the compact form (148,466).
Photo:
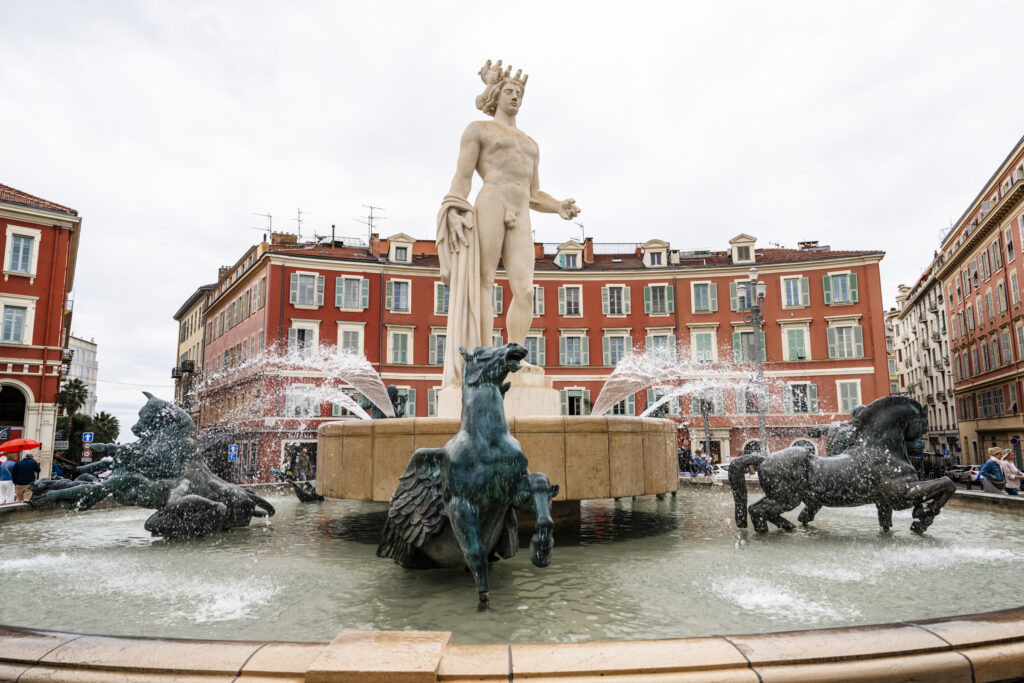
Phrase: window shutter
(647,299)
(563,401)
(438,299)
(606,356)
(853,288)
(339,291)
(293,293)
(561,301)
(540,300)
(737,352)
(741,400)
(826,284)
(561,350)
(672,346)
(293,339)
(812,398)
(431,402)
(585,349)
(432,350)
(858,341)
(496,299)
(389,294)
(561,264)
(364,293)
(791,345)
(626,307)
(670,298)
(764,348)
(787,398)
(604,300)
(410,405)
(650,399)
(541,343)
(320,290)
(713,297)
(647,342)
(586,402)
(719,402)
(631,405)
(801,346)
(831,342)
(805,292)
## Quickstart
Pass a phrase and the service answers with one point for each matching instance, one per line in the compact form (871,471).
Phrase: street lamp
(758,288)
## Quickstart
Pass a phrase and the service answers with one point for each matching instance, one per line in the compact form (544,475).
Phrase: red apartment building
(980,269)
(824,335)
(39,243)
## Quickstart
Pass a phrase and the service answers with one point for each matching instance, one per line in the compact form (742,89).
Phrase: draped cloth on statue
(459,253)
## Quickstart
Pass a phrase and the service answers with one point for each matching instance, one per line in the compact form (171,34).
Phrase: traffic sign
(86,437)
(87,451)
(233,452)
(60,445)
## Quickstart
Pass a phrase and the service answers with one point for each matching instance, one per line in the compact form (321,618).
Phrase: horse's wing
(416,512)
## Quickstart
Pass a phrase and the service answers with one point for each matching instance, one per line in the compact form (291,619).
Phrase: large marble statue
(873,468)
(456,506)
(471,239)
(161,471)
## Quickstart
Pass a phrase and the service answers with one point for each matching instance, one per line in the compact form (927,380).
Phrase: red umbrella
(16,445)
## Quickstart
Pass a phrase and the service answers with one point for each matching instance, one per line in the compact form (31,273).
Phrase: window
(840,288)
(989,313)
(399,347)
(351,293)
(670,407)
(615,346)
(626,406)
(796,343)
(662,344)
(410,400)
(307,290)
(705,297)
(436,348)
(743,347)
(14,325)
(1000,298)
(804,443)
(496,339)
(568,260)
(570,301)
(22,253)
(845,341)
(656,258)
(396,295)
(849,395)
(339,409)
(741,296)
(704,347)
(350,338)
(1014,289)
(574,401)
(535,350)
(743,253)
(710,400)
(442,294)
(892,365)
(432,401)
(538,300)
(800,398)
(299,401)
(497,299)
(572,350)
(302,337)
(659,300)
(796,292)
(615,300)
(401,253)
(1009,245)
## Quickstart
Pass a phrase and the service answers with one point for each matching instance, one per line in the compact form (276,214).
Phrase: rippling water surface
(635,569)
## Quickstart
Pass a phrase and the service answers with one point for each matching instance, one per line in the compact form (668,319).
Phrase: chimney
(538,251)
(588,249)
(222,272)
(283,238)
(374,244)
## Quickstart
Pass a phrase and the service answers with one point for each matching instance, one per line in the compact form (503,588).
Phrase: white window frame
(541,348)
(606,300)
(627,345)
(440,287)
(290,400)
(803,327)
(803,289)
(316,280)
(563,348)
(391,308)
(37,236)
(360,286)
(669,332)
(712,297)
(669,300)
(538,300)
(850,322)
(306,324)
(813,404)
(850,275)
(20,301)
(839,395)
(349,326)
(433,357)
(563,301)
(401,329)
(697,330)
(585,404)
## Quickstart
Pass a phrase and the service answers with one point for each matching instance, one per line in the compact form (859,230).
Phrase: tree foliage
(76,394)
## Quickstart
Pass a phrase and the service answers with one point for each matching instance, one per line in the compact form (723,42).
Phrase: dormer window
(743,253)
(570,255)
(568,261)
(656,258)
(401,253)
(655,254)
(742,247)
(400,248)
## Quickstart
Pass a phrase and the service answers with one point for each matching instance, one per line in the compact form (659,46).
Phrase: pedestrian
(24,473)
(302,465)
(6,482)
(991,474)
(1011,474)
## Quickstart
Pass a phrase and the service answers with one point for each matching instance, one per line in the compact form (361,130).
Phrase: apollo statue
(471,239)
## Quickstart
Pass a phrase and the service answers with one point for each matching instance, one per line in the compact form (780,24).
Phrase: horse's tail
(737,466)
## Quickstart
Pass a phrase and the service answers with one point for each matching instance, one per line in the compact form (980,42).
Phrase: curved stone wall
(588,457)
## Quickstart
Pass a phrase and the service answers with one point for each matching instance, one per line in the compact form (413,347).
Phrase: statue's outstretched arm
(543,202)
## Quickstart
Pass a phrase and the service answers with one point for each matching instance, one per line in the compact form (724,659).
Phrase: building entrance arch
(13,411)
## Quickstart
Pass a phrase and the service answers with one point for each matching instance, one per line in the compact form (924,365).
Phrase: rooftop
(10,195)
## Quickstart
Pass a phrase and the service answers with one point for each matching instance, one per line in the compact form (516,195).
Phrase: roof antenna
(299,221)
(270,225)
(369,221)
(582,234)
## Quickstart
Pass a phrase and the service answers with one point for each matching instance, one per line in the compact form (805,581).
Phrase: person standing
(1011,474)
(23,474)
(991,474)
(6,482)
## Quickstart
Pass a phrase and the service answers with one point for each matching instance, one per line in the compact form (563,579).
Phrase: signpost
(86,446)
(233,452)
(86,437)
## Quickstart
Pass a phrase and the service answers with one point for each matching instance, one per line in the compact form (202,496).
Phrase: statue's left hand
(459,223)
(567,209)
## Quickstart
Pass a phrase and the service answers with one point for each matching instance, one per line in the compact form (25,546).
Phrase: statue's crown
(493,74)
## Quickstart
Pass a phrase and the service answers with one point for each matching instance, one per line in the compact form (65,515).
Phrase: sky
(170,125)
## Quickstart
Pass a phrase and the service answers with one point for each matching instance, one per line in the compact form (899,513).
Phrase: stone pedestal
(532,394)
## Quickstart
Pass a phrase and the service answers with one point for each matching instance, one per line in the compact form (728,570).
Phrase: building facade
(824,335)
(188,364)
(979,267)
(85,367)
(39,242)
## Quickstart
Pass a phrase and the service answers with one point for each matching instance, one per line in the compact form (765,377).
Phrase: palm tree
(75,395)
(106,427)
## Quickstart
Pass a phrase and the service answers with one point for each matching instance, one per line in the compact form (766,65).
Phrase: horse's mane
(904,406)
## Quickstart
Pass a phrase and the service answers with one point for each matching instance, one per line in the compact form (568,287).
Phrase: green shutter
(631,405)
(737,354)
(647,342)
(431,402)
(604,300)
(650,400)
(647,300)
(734,304)
(670,297)
(672,346)
(585,350)
(791,344)
(432,349)
(713,296)
(831,342)
(497,299)
(606,356)
(339,291)
(719,402)
(410,405)
(787,398)
(858,341)
(293,294)
(812,398)
(389,294)
(563,401)
(561,301)
(540,300)
(627,306)
(826,284)
(805,292)
(320,290)
(561,350)
(293,339)
(585,407)
(364,292)
(853,288)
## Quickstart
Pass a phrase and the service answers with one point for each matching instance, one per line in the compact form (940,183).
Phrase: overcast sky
(167,125)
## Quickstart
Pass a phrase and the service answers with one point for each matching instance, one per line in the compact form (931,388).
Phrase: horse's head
(491,365)
(897,423)
(542,541)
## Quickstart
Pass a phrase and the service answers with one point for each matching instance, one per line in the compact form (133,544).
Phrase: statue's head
(159,416)
(502,89)
(491,365)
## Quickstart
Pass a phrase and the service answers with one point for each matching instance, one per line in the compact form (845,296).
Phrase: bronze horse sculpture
(874,468)
(457,506)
